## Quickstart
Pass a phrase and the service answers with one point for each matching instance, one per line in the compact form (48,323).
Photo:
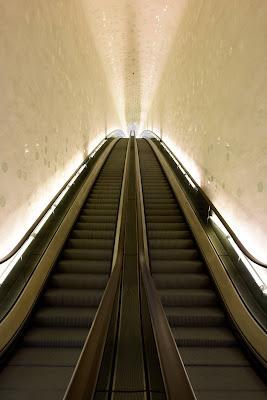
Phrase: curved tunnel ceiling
(192,71)
(133,40)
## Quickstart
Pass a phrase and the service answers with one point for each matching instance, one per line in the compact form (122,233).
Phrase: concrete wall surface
(55,106)
(210,109)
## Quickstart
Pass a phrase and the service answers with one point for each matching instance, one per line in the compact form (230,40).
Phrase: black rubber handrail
(176,382)
(84,379)
(36,222)
(212,206)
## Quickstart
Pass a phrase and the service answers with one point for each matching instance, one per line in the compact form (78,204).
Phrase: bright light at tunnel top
(133,40)
(134,126)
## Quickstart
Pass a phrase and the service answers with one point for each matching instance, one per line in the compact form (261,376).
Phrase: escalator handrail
(213,208)
(84,379)
(176,382)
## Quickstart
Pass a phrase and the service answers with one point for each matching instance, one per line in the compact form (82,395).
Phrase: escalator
(47,352)
(210,351)
(44,357)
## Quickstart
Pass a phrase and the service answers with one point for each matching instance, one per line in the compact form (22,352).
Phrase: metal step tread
(87,254)
(75,243)
(201,336)
(169,235)
(195,316)
(45,356)
(171,244)
(72,297)
(87,234)
(177,266)
(187,297)
(65,316)
(79,281)
(31,377)
(219,378)
(216,356)
(84,266)
(56,337)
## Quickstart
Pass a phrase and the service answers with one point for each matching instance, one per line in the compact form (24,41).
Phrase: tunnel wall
(210,109)
(55,106)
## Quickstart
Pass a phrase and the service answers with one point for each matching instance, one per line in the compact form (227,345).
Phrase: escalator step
(159,179)
(163,200)
(94,211)
(31,394)
(174,254)
(126,396)
(106,188)
(195,316)
(230,395)
(84,234)
(99,206)
(177,266)
(81,317)
(171,244)
(203,337)
(165,219)
(94,219)
(169,235)
(95,226)
(45,356)
(79,281)
(87,254)
(220,378)
(165,196)
(72,297)
(154,186)
(187,297)
(166,226)
(101,196)
(55,337)
(84,266)
(219,356)
(31,378)
(162,212)
(102,201)
(89,244)
(181,281)
(158,207)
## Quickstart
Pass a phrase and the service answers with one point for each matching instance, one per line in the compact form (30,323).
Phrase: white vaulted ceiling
(192,71)
(133,39)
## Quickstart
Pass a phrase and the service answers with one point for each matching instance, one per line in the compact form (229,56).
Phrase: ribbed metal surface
(129,369)
(129,396)
(45,360)
(154,376)
(106,370)
(216,366)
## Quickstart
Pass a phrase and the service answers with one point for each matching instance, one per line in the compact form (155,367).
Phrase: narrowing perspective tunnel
(133,200)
